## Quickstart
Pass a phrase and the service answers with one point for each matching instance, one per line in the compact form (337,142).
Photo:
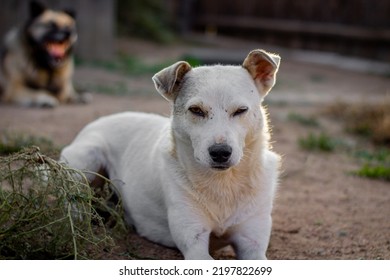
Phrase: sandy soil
(321,210)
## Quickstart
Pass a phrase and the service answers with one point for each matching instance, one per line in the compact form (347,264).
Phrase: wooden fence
(352,27)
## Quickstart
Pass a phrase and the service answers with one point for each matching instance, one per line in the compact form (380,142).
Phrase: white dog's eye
(197,111)
(240,111)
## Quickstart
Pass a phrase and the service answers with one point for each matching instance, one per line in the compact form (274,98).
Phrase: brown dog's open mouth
(57,50)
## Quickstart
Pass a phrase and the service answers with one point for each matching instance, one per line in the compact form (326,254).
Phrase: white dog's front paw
(196,251)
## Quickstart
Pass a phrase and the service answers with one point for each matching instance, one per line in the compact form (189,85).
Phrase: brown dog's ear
(167,80)
(263,67)
(36,9)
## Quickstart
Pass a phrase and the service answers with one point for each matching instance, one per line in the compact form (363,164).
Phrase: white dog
(205,177)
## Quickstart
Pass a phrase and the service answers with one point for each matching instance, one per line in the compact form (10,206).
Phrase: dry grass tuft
(370,120)
(48,210)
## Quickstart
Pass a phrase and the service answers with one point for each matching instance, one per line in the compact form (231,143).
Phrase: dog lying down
(204,178)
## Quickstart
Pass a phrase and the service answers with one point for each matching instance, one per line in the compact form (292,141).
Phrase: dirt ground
(321,210)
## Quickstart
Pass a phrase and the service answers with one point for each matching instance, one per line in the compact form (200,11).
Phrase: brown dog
(37,61)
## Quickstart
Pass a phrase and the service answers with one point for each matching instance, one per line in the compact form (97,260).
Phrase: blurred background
(358,28)
(329,109)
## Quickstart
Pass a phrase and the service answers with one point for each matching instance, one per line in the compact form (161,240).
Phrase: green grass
(381,155)
(321,142)
(378,172)
(376,164)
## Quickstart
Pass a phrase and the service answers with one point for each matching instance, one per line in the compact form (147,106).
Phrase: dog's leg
(69,95)
(84,156)
(251,239)
(39,99)
(189,234)
(195,245)
(16,92)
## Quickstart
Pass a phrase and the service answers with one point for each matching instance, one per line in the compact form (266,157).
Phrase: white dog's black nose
(220,153)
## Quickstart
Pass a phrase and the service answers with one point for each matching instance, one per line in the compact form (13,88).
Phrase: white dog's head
(216,109)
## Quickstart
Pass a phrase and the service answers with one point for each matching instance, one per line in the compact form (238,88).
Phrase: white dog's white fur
(203,178)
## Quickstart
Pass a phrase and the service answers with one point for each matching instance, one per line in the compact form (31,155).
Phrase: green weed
(381,155)
(374,172)
(321,142)
(376,164)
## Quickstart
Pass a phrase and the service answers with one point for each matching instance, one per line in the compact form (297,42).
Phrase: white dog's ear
(263,67)
(167,80)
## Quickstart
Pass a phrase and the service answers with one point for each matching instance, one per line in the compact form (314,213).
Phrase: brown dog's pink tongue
(56,50)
